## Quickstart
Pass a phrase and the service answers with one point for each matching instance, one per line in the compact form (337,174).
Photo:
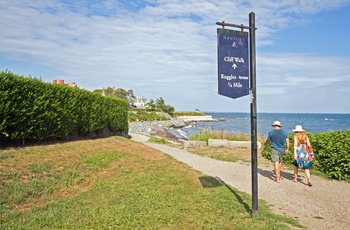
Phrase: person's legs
(295,173)
(280,164)
(277,170)
(276,159)
(307,172)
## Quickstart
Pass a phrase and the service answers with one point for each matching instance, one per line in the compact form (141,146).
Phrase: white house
(140,102)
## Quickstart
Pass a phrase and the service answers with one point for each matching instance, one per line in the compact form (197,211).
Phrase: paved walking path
(325,205)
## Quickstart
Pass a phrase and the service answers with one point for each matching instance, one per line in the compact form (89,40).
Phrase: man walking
(280,145)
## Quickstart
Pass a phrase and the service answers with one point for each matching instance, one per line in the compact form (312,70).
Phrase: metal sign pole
(253,115)
(231,85)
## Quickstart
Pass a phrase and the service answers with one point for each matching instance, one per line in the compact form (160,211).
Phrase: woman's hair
(301,137)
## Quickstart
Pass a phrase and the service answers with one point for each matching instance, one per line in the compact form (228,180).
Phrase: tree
(151,106)
(109,91)
(98,91)
(169,109)
(120,93)
(157,105)
(130,96)
(161,106)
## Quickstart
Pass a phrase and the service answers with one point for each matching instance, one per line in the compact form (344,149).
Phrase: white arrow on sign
(234,66)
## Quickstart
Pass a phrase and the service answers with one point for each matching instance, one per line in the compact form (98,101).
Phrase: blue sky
(167,48)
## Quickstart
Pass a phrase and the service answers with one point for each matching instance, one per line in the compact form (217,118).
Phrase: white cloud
(302,70)
(164,48)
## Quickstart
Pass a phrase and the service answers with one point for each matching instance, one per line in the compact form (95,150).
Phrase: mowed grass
(115,183)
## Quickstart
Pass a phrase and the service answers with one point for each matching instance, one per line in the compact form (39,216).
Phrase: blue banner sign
(233,63)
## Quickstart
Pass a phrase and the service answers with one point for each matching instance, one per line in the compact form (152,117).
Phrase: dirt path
(325,205)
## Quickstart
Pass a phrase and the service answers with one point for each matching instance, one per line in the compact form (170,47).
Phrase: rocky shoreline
(158,128)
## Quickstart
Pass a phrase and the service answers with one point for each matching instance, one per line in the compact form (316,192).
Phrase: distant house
(140,102)
(61,82)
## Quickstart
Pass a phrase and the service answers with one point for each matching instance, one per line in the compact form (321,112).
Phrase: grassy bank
(204,135)
(119,184)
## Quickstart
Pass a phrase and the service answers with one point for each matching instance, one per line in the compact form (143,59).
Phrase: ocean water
(240,123)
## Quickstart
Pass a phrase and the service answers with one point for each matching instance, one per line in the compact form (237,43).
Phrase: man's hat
(277,123)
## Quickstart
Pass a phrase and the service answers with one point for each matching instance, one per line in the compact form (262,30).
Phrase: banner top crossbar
(223,24)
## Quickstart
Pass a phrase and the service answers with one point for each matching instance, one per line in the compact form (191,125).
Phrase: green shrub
(32,110)
(332,150)
(205,134)
(141,115)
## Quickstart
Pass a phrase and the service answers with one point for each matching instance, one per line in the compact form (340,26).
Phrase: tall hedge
(34,110)
(331,149)
(333,153)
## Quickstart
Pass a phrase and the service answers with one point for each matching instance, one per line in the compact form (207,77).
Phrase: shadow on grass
(210,182)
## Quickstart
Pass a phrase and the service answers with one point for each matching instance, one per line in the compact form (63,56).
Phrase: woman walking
(302,159)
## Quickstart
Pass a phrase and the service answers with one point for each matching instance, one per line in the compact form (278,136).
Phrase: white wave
(189,126)
(182,133)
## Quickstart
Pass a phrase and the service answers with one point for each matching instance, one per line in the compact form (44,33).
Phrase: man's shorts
(276,156)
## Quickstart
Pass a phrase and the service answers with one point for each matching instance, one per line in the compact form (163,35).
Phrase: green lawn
(115,183)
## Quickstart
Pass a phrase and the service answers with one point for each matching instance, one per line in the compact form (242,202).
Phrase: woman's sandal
(309,184)
(295,180)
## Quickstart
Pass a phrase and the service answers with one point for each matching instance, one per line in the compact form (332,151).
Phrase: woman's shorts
(276,156)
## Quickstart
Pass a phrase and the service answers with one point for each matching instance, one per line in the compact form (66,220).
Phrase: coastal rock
(162,133)
(146,127)
(160,128)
